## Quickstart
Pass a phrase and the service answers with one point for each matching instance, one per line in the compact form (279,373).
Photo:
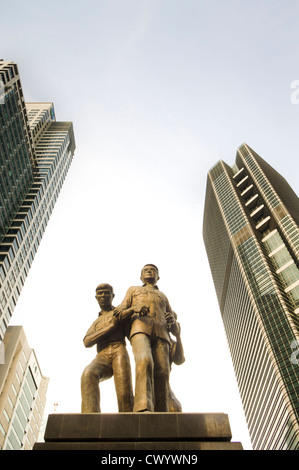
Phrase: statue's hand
(117,312)
(169,317)
(175,329)
(144,310)
(141,310)
(172,324)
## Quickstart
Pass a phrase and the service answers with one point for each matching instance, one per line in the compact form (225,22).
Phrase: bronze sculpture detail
(112,359)
(147,319)
(150,341)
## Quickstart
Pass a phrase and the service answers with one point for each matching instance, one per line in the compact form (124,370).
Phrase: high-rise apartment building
(251,236)
(22,393)
(35,154)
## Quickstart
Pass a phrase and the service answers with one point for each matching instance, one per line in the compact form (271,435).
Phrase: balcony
(252,202)
(243,183)
(258,212)
(247,192)
(263,224)
(239,175)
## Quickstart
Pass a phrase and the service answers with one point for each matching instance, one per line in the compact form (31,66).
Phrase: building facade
(251,236)
(17,156)
(22,393)
(36,152)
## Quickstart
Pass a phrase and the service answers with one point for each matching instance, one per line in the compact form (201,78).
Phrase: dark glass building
(251,236)
(17,156)
(35,154)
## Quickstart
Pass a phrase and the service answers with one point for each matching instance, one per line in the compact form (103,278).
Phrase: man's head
(149,274)
(104,295)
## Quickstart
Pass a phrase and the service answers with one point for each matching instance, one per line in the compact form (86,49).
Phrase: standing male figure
(150,340)
(107,332)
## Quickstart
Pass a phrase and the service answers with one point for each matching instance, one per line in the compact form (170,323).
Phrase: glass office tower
(17,156)
(251,236)
(36,152)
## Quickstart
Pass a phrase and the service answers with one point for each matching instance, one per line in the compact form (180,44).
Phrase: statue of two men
(146,318)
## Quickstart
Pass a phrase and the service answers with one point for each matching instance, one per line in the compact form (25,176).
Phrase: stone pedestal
(138,431)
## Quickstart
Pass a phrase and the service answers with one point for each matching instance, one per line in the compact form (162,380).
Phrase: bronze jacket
(153,324)
(104,330)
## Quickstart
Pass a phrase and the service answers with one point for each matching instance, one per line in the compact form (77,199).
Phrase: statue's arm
(177,353)
(99,330)
(124,310)
(171,319)
(169,312)
(138,310)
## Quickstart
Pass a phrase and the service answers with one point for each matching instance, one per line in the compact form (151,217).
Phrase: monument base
(138,431)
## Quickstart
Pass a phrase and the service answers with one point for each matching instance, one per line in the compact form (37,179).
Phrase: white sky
(158,92)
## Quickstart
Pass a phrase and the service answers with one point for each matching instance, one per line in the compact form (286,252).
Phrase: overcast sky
(158,92)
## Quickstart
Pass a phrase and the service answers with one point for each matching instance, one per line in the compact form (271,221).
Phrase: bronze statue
(150,323)
(107,332)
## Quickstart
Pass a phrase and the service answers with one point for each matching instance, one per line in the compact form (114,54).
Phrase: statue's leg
(174,404)
(160,349)
(98,370)
(122,378)
(144,373)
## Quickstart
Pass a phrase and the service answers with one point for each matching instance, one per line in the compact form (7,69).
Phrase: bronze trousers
(152,371)
(111,361)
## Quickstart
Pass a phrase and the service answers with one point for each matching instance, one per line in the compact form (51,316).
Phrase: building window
(6,415)
(2,430)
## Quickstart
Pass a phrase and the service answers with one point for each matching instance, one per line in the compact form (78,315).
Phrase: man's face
(104,297)
(149,275)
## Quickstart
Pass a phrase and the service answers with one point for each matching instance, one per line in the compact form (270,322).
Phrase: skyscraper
(35,154)
(17,156)
(251,236)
